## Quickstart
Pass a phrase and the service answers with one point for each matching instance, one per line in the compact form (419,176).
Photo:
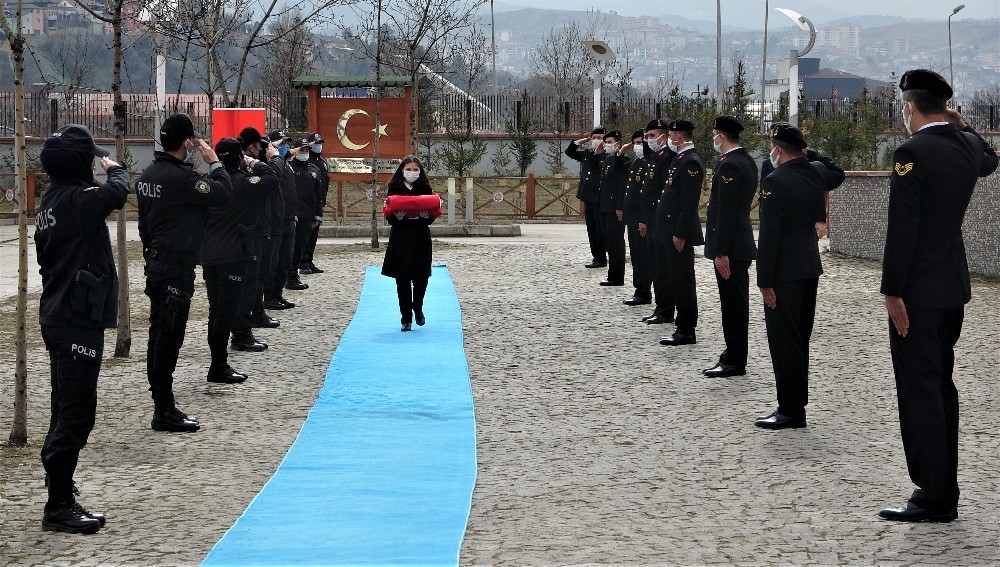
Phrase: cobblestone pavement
(597,446)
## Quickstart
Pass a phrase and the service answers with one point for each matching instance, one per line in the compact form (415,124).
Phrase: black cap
(77,138)
(178,126)
(277,136)
(315,138)
(728,124)
(790,135)
(616,134)
(681,125)
(598,130)
(637,134)
(301,143)
(249,135)
(656,124)
(229,152)
(924,79)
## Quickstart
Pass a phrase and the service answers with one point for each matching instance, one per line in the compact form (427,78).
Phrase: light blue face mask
(283,150)
(316,148)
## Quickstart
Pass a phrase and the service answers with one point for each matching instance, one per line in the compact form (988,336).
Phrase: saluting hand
(206,151)
(952,115)
(107,163)
(897,314)
(769,298)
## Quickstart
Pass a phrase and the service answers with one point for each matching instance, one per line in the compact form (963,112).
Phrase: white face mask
(774,159)
(609,148)
(637,149)
(302,157)
(411,176)
(907,120)
(717,145)
(316,148)
(671,145)
(654,144)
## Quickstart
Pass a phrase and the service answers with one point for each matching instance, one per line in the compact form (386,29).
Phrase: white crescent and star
(342,130)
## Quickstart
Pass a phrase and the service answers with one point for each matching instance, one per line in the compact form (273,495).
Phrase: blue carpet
(383,469)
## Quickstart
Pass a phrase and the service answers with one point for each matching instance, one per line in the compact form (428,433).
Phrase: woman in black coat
(408,254)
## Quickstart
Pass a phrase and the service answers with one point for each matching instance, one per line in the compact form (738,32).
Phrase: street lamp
(602,53)
(793,63)
(951,68)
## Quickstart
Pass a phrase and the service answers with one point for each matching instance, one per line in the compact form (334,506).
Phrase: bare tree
(413,37)
(471,59)
(290,56)
(15,37)
(561,62)
(75,57)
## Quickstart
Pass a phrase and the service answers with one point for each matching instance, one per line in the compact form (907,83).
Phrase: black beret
(790,135)
(598,130)
(681,125)
(177,126)
(656,125)
(249,135)
(616,134)
(77,138)
(925,80)
(728,124)
(637,134)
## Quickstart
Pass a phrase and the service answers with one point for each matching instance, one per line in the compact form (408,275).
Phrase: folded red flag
(411,204)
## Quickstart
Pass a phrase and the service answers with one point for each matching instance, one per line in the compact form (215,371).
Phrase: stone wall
(858,220)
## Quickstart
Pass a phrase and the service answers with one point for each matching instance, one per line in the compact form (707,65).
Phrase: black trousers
(789,328)
(680,268)
(660,270)
(614,242)
(74,362)
(224,285)
(249,290)
(734,301)
(639,257)
(303,230)
(594,233)
(170,303)
(284,248)
(310,249)
(265,273)
(923,362)
(411,297)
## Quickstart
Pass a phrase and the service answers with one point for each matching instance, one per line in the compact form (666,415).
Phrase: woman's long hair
(397,185)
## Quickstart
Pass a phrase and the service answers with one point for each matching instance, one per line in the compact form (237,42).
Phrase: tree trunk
(123,342)
(19,429)
(378,122)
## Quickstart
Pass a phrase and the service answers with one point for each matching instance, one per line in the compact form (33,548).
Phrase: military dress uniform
(934,174)
(729,233)
(614,172)
(792,201)
(588,191)
(174,202)
(677,216)
(657,173)
(638,250)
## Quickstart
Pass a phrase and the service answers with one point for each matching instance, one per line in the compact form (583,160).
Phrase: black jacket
(589,189)
(73,249)
(728,230)
(308,190)
(792,201)
(934,174)
(631,202)
(173,206)
(408,253)
(652,188)
(614,176)
(230,229)
(677,211)
(279,203)
(320,163)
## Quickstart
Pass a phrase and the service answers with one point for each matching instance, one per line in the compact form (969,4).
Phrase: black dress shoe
(285,302)
(174,420)
(779,421)
(71,518)
(611,283)
(296,285)
(226,375)
(265,322)
(658,320)
(246,342)
(635,300)
(910,512)
(419,316)
(405,327)
(596,264)
(274,304)
(314,269)
(724,370)
(678,339)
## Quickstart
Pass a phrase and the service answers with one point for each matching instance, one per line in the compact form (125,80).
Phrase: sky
(705,9)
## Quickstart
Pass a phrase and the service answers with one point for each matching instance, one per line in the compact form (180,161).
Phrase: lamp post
(718,56)
(493,46)
(793,63)
(951,67)
(601,52)
(763,70)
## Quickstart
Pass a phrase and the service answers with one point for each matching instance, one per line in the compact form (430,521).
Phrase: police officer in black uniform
(79,300)
(282,224)
(306,265)
(588,191)
(629,205)
(250,313)
(729,241)
(660,158)
(229,240)
(925,281)
(614,172)
(173,206)
(309,190)
(677,214)
(788,265)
